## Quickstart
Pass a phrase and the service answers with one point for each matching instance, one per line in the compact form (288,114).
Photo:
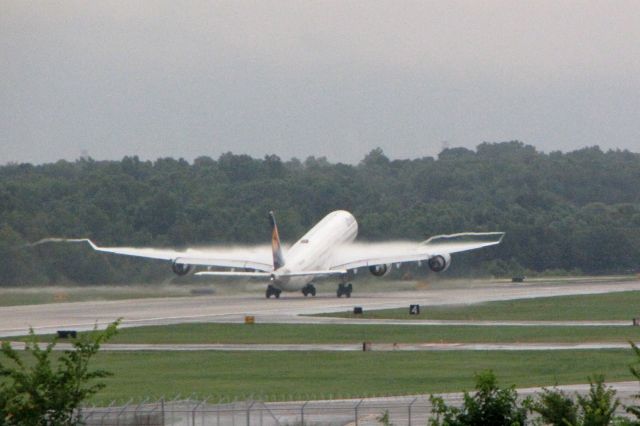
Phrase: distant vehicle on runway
(326,250)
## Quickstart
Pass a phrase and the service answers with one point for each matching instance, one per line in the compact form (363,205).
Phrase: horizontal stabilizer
(270,275)
(235,274)
(311,273)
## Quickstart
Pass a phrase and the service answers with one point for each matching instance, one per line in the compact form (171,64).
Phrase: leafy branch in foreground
(490,405)
(48,389)
(635,370)
(599,405)
(554,407)
(596,408)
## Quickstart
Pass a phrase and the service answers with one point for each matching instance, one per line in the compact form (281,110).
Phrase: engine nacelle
(380,270)
(439,263)
(180,269)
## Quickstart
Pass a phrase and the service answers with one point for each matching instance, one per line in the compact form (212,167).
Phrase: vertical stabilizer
(278,258)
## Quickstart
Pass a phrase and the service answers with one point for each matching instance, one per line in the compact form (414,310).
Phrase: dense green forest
(577,211)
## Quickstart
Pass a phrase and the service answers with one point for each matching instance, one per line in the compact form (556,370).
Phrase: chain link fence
(405,411)
(398,410)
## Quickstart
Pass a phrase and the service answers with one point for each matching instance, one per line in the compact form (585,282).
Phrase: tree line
(573,212)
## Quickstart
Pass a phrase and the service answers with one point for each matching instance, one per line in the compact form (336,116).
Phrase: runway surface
(15,320)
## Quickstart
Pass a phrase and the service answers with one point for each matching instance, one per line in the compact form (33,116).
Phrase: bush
(635,370)
(555,408)
(599,405)
(490,405)
(597,408)
(49,390)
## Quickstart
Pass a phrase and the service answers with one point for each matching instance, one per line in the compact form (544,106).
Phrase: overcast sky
(325,78)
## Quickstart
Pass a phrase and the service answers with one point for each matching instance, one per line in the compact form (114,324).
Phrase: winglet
(64,240)
(278,258)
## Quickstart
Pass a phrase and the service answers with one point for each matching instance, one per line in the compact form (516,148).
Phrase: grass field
(339,333)
(296,375)
(610,306)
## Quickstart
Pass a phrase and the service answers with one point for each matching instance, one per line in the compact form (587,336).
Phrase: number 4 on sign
(414,309)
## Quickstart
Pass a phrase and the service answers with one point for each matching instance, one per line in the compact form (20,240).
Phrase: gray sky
(324,78)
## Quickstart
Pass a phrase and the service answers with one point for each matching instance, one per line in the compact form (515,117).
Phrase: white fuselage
(313,251)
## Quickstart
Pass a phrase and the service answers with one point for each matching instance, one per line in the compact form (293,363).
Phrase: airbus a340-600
(328,249)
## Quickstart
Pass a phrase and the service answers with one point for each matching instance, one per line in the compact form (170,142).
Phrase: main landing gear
(272,291)
(309,289)
(344,289)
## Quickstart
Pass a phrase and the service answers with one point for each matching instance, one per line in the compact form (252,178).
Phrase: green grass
(340,333)
(296,375)
(610,306)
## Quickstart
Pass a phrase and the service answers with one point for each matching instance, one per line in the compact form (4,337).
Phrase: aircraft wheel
(272,291)
(309,289)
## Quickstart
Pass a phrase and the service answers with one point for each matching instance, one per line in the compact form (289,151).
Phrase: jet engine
(380,270)
(180,268)
(439,263)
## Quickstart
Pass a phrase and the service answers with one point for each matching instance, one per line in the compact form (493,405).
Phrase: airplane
(326,250)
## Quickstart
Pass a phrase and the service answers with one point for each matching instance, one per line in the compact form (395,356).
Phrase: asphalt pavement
(47,318)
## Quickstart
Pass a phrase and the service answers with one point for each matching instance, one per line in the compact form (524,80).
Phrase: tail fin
(278,258)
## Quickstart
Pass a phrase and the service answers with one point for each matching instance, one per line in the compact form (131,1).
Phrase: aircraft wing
(358,255)
(257,257)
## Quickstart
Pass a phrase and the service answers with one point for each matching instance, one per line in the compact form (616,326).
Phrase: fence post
(302,413)
(136,414)
(261,413)
(162,409)
(356,410)
(411,405)
(193,413)
(249,413)
(172,407)
(85,419)
(122,411)
(106,411)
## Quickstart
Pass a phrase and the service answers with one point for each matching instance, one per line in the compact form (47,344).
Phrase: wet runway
(15,320)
